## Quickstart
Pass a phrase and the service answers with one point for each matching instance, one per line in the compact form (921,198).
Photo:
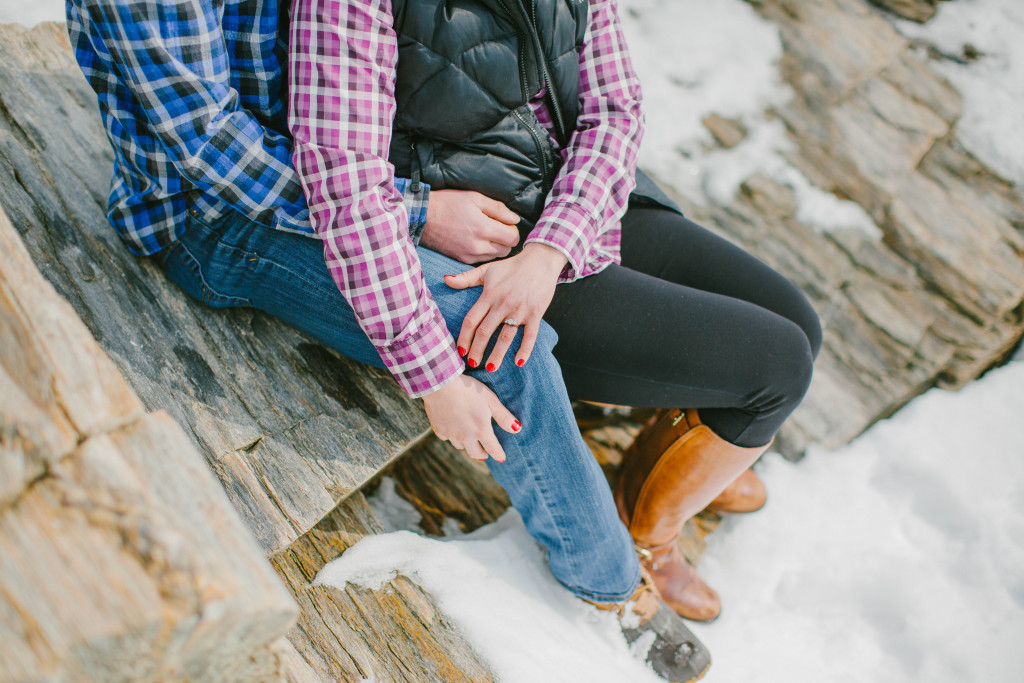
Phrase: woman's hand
(469,227)
(519,288)
(461,411)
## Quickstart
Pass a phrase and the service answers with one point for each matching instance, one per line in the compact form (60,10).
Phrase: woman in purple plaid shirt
(649,309)
(514,126)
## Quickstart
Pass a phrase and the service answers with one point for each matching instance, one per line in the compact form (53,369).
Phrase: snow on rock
(696,59)
(394,512)
(992,84)
(495,583)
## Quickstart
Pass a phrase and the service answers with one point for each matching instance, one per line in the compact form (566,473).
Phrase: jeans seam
(247,253)
(209,293)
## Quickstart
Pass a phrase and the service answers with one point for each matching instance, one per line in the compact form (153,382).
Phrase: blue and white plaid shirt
(192,95)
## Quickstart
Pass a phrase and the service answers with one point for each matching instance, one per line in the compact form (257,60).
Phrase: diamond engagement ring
(512,322)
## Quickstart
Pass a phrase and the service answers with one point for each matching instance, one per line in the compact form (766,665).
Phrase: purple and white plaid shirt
(342,104)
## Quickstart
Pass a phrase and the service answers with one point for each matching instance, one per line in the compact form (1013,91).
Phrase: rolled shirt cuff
(426,359)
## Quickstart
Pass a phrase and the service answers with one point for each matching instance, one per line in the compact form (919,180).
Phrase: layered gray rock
(289,427)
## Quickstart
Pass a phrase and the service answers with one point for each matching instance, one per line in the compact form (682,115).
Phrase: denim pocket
(206,269)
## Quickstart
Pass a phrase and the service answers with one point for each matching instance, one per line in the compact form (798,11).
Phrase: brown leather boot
(746,494)
(673,470)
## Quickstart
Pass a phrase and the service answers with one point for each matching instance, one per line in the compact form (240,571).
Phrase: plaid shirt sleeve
(592,188)
(341,108)
(173,58)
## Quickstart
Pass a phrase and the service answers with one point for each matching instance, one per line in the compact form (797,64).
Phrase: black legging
(688,321)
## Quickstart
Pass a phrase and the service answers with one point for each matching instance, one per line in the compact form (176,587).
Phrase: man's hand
(519,288)
(469,227)
(461,411)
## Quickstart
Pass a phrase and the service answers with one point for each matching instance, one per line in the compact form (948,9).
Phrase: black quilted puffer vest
(466,72)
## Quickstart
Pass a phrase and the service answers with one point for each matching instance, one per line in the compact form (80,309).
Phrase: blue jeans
(550,474)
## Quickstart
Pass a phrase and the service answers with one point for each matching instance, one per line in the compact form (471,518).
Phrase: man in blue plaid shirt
(192,97)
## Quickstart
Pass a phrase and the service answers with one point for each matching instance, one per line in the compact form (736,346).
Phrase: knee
(788,369)
(807,319)
(546,338)
(811,326)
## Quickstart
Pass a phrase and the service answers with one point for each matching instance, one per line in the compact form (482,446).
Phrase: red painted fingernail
(521,362)
(491,367)
(471,362)
(462,351)
(516,426)
(449,276)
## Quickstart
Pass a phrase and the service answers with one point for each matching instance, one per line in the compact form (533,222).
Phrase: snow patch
(642,645)
(394,512)
(496,585)
(993,84)
(699,58)
(897,558)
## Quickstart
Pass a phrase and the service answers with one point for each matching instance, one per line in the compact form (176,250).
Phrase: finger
(503,234)
(474,277)
(482,337)
(475,450)
(487,250)
(503,417)
(505,338)
(468,330)
(499,250)
(493,448)
(499,212)
(530,331)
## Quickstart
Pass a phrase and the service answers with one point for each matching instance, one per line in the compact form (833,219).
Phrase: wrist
(549,256)
(439,392)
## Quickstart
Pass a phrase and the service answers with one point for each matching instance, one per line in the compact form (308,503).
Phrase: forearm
(592,188)
(341,105)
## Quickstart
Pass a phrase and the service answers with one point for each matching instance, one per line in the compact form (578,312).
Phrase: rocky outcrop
(940,297)
(396,633)
(121,558)
(289,427)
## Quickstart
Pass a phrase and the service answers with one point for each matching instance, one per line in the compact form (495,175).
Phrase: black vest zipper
(415,170)
(549,84)
(525,19)
(528,28)
(547,177)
